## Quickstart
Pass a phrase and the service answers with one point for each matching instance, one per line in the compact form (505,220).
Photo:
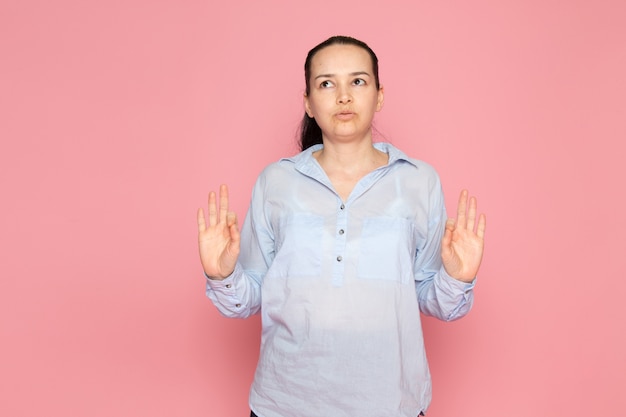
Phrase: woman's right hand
(219,240)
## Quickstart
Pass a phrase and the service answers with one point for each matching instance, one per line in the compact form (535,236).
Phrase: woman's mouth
(345,115)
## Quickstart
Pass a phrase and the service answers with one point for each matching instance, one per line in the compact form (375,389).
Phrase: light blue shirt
(340,286)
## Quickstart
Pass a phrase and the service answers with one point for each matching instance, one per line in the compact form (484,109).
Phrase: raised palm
(462,244)
(218,241)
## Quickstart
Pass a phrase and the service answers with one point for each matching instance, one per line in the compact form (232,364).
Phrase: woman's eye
(359,81)
(325,84)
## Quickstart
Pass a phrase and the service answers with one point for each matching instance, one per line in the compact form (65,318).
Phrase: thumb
(233,227)
(446,240)
(447,234)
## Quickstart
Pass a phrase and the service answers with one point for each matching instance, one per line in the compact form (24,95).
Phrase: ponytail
(310,133)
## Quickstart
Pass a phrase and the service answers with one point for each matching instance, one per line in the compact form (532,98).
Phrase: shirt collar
(305,162)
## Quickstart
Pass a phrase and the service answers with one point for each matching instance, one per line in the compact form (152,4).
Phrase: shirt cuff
(454,285)
(225,284)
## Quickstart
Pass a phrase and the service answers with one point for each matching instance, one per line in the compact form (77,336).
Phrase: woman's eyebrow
(352,74)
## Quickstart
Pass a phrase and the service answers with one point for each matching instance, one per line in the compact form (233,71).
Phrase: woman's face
(343,97)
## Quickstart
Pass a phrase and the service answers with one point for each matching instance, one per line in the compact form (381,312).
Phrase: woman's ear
(381,98)
(307,105)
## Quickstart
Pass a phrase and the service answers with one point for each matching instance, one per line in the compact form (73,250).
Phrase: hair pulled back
(310,132)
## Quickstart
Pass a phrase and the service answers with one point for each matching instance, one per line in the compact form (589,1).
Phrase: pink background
(117,117)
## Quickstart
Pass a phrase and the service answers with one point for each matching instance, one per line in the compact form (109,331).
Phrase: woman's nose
(343,96)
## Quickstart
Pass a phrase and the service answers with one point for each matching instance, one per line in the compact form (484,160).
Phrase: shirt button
(237,305)
(341,232)
(228,285)
(339,258)
(342,206)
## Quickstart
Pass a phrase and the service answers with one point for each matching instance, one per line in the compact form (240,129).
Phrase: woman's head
(310,132)
(338,40)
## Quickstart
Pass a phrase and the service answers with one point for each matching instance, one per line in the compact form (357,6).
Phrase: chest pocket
(387,249)
(298,246)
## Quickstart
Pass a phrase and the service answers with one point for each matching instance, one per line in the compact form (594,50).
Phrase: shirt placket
(340,244)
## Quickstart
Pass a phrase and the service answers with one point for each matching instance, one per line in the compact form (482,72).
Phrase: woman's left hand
(463,241)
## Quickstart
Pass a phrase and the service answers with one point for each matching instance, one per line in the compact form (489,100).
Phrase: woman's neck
(346,163)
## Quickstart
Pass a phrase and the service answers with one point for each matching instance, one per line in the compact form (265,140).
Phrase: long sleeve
(439,295)
(239,295)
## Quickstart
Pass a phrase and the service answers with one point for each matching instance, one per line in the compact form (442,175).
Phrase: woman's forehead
(336,59)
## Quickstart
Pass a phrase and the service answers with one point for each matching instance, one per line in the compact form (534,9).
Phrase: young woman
(343,245)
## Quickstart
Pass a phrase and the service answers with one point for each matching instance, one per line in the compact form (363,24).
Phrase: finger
(223,202)
(471,216)
(447,234)
(212,209)
(451,224)
(461,210)
(201,221)
(234,228)
(482,225)
(231,218)
(446,240)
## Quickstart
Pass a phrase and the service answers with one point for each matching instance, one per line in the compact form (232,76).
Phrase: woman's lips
(345,115)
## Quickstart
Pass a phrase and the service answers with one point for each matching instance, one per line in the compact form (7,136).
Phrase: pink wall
(116,119)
